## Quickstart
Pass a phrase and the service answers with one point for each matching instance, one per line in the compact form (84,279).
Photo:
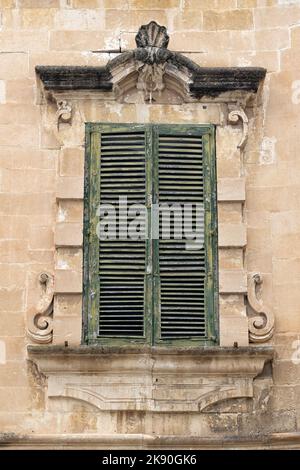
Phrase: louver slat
(122,261)
(182,271)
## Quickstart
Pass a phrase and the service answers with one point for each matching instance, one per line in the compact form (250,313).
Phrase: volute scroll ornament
(40,329)
(261,323)
(233,117)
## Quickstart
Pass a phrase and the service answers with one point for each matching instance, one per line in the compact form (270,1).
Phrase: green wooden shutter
(119,297)
(181,303)
(153,291)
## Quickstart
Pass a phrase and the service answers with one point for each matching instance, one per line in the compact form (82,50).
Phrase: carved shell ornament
(151,54)
(152,35)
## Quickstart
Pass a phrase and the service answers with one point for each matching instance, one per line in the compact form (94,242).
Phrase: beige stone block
(37,18)
(233,330)
(13,65)
(77,40)
(14,374)
(259,239)
(68,329)
(266,59)
(26,204)
(286,271)
(19,135)
(233,19)
(72,162)
(232,281)
(230,212)
(41,237)
(69,258)
(278,16)
(187,113)
(285,372)
(27,159)
(12,323)
(246,3)
(232,235)
(259,260)
(145,5)
(295,37)
(20,91)
(68,304)
(272,39)
(12,276)
(20,42)
(209,4)
(89,3)
(231,189)
(117,4)
(188,20)
(14,251)
(2,91)
(79,20)
(16,227)
(70,211)
(16,399)
(15,348)
(201,41)
(12,299)
(68,281)
(39,3)
(230,258)
(69,187)
(7,3)
(23,181)
(68,234)
(116,20)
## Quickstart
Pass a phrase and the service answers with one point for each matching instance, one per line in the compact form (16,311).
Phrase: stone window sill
(156,379)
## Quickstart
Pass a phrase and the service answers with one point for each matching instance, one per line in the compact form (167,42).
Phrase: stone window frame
(228,98)
(220,96)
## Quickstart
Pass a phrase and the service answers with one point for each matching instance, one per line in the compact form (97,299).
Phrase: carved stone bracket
(261,324)
(40,330)
(233,117)
(64,113)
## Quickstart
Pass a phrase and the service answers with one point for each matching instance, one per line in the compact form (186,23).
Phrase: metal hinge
(149,201)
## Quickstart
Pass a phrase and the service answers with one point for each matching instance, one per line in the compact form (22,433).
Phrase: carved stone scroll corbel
(40,329)
(233,117)
(63,113)
(261,323)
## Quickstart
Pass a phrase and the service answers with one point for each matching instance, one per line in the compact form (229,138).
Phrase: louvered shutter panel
(122,261)
(182,272)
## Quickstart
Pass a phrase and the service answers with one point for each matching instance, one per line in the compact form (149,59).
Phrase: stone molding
(275,441)
(156,379)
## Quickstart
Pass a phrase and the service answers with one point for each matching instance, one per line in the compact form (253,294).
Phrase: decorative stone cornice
(261,322)
(40,329)
(155,379)
(149,66)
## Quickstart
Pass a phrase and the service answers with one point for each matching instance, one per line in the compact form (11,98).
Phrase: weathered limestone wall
(213,33)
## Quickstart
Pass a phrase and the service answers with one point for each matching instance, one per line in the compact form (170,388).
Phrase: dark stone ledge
(208,81)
